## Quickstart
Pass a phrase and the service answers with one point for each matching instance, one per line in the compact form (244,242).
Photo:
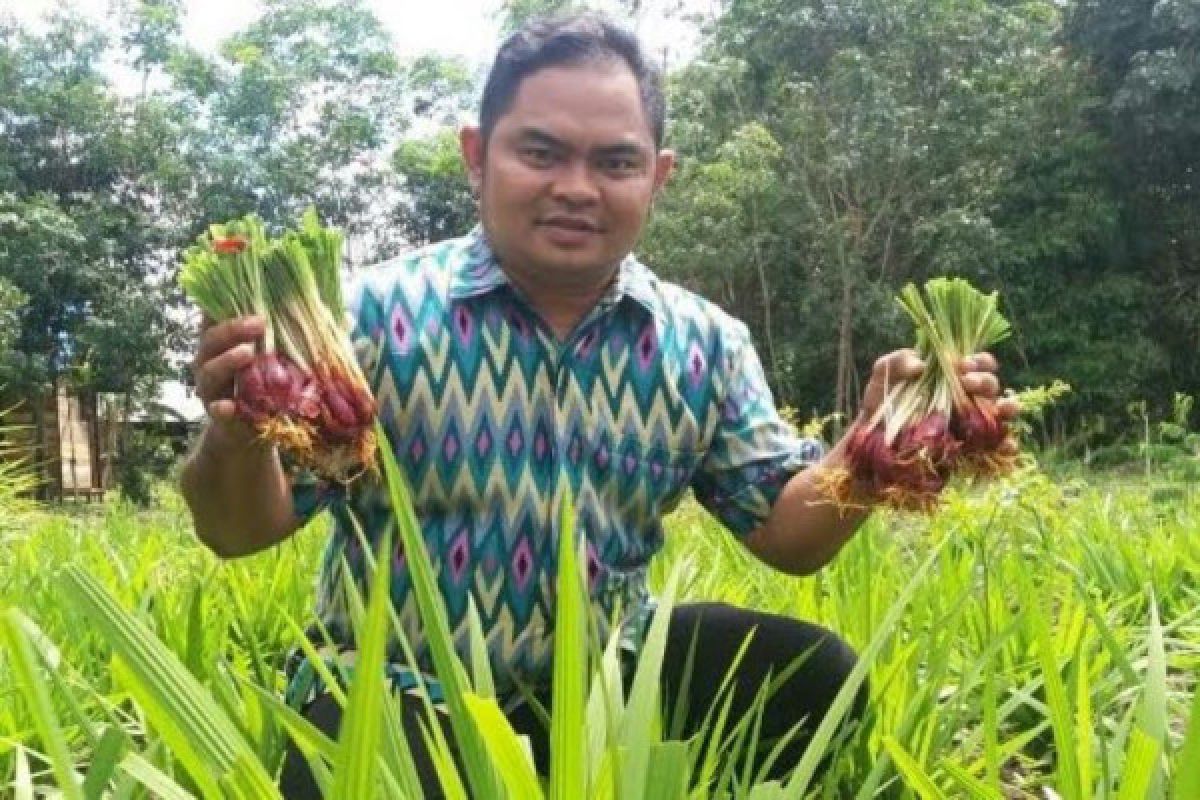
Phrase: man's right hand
(239,495)
(224,349)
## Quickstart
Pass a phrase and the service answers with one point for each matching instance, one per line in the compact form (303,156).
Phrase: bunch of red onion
(929,429)
(304,392)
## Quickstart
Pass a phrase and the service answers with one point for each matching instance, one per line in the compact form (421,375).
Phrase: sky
(466,28)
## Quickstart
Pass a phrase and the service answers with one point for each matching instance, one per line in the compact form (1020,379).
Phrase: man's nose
(575,185)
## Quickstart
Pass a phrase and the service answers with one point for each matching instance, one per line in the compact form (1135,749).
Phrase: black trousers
(718,631)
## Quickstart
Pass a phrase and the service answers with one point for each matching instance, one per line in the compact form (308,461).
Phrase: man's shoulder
(425,268)
(684,308)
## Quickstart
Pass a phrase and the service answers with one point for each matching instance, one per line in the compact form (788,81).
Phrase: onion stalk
(928,429)
(304,392)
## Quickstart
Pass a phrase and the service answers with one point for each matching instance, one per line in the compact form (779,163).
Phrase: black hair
(571,39)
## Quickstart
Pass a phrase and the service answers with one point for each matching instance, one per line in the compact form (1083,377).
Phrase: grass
(1049,638)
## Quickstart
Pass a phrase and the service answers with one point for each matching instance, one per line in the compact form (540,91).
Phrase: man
(538,348)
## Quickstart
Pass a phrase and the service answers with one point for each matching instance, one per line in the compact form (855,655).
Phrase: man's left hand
(980,380)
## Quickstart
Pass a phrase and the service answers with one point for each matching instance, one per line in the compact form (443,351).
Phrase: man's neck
(562,306)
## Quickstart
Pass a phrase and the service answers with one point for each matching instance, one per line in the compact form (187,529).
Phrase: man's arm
(235,486)
(804,530)
(238,494)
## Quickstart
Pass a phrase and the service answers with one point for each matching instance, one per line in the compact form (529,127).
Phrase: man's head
(567,156)
(577,39)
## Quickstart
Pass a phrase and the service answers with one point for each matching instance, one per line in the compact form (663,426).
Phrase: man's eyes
(537,155)
(543,156)
(620,164)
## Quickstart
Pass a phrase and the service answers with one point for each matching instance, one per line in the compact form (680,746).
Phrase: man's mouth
(577,224)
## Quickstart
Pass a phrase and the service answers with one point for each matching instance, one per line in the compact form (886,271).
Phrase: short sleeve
(754,453)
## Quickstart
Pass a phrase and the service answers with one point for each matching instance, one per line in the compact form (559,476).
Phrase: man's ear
(664,165)
(470,140)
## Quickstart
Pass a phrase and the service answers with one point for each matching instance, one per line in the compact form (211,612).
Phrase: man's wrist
(223,441)
(861,495)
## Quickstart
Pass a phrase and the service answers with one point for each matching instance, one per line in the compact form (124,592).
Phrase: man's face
(567,176)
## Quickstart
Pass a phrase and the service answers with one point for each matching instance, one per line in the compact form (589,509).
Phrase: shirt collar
(636,282)
(478,272)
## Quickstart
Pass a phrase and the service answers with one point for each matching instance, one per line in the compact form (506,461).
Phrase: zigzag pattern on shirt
(489,415)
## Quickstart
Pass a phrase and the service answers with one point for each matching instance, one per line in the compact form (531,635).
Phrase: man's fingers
(214,377)
(217,338)
(227,424)
(222,411)
(899,365)
(1009,446)
(1008,408)
(979,362)
(985,384)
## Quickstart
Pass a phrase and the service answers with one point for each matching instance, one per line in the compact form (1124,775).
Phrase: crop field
(1040,638)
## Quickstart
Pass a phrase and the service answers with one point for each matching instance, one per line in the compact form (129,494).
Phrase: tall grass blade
(22,784)
(1187,771)
(513,760)
(200,736)
(972,786)
(605,703)
(1153,715)
(1057,701)
(667,773)
(1142,758)
(481,668)
(640,725)
(568,744)
(450,671)
(107,756)
(161,785)
(916,777)
(798,785)
(24,663)
(355,772)
(318,749)
(1084,724)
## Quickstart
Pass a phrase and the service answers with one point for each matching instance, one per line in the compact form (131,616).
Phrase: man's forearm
(238,495)
(804,530)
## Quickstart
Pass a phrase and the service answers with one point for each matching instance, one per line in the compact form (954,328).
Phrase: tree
(831,153)
(11,301)
(437,202)
(77,226)
(298,109)
(1146,57)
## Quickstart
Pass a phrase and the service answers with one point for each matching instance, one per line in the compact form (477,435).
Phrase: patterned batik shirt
(654,392)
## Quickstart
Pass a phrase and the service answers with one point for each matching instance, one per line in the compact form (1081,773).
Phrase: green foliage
(144,460)
(11,300)
(79,241)
(514,13)
(1037,590)
(831,154)
(438,202)
(100,190)
(1146,56)
(294,111)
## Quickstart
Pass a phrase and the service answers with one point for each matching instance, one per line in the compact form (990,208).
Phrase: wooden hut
(70,438)
(74,439)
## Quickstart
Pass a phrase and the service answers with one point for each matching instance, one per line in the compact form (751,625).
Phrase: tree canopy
(829,154)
